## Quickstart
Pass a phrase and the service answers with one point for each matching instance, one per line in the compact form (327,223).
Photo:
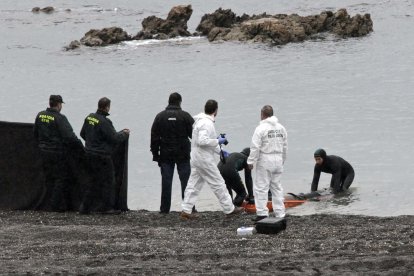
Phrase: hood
(202,115)
(270,120)
(246,151)
(320,153)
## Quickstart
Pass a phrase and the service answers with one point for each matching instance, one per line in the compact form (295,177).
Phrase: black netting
(22,184)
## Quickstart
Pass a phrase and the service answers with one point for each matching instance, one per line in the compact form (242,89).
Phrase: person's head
(319,155)
(266,112)
(175,99)
(104,104)
(211,107)
(55,102)
(246,151)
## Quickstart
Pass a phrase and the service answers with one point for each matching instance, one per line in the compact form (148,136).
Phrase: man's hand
(250,166)
(126,130)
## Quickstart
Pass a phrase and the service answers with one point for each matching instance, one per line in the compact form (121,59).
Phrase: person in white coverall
(204,146)
(268,153)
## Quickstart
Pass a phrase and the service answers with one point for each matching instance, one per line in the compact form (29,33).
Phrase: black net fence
(22,184)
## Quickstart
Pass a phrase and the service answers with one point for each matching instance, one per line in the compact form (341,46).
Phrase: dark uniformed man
(55,137)
(342,172)
(230,168)
(100,139)
(170,145)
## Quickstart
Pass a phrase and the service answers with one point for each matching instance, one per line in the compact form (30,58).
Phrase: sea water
(353,97)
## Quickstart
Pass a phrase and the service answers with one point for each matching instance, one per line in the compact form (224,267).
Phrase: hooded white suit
(204,146)
(268,152)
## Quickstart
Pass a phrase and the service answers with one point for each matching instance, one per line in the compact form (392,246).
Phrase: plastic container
(244,231)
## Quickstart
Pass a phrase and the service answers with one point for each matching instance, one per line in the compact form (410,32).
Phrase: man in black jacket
(170,145)
(54,136)
(100,139)
(229,170)
(342,172)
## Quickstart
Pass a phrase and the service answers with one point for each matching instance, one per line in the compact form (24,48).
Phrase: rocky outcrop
(175,24)
(281,29)
(103,37)
(227,26)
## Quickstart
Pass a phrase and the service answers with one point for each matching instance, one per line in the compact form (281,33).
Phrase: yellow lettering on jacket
(92,121)
(46,118)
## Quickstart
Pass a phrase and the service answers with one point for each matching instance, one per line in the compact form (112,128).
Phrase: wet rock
(220,18)
(175,24)
(281,29)
(346,26)
(73,45)
(105,36)
(45,9)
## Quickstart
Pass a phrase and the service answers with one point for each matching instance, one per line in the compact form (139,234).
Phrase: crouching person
(229,169)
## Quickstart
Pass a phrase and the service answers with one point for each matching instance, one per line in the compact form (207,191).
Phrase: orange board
(289,203)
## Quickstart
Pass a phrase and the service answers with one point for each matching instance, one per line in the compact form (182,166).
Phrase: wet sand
(142,242)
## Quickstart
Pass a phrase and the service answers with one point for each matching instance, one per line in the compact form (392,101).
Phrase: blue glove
(222,140)
(225,153)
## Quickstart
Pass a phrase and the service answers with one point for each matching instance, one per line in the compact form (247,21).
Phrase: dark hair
(210,107)
(104,103)
(54,100)
(175,99)
(267,111)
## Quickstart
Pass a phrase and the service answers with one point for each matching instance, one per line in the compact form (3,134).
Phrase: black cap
(320,153)
(56,99)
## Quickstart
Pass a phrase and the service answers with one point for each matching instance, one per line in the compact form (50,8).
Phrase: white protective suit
(268,154)
(204,146)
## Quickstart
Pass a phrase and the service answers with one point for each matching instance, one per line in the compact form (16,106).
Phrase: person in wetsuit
(342,172)
(229,170)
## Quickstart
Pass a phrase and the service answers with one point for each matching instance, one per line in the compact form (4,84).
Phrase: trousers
(167,173)
(210,174)
(269,179)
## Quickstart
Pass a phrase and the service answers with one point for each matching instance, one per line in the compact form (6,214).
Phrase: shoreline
(146,242)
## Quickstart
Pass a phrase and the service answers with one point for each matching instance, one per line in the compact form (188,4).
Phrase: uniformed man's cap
(56,99)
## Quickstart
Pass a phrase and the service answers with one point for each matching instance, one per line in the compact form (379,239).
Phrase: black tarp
(22,185)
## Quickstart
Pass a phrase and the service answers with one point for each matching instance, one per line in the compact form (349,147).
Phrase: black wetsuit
(229,170)
(342,173)
(55,137)
(101,138)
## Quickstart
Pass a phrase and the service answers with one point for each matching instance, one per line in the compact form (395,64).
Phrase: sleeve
(83,131)
(204,139)
(110,133)
(255,147)
(315,180)
(68,136)
(248,180)
(155,139)
(285,146)
(36,131)
(336,176)
(189,126)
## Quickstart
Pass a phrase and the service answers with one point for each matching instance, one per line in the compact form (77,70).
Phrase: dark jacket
(236,162)
(53,132)
(170,133)
(335,165)
(100,135)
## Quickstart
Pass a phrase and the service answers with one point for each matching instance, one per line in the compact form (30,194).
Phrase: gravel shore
(143,242)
